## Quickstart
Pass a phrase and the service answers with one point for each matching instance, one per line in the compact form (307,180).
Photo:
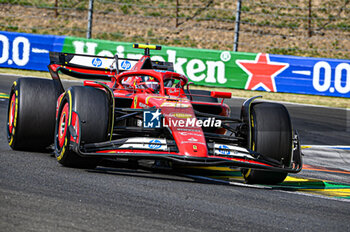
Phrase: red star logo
(262,72)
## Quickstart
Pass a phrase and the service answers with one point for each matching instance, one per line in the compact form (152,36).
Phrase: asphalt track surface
(38,194)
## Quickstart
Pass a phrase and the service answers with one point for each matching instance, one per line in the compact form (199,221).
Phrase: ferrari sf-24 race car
(146,111)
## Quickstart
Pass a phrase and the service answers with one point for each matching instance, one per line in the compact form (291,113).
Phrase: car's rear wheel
(272,137)
(92,107)
(31,114)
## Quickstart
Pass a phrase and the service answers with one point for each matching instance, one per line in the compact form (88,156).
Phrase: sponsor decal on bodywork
(227,150)
(145,143)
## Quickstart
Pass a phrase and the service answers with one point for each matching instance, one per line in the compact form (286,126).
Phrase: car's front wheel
(85,109)
(271,133)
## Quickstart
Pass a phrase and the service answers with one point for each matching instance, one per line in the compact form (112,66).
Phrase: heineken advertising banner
(265,72)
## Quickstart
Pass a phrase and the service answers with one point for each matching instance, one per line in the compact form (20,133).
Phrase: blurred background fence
(318,28)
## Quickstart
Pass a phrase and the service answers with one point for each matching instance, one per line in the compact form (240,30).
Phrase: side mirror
(217,94)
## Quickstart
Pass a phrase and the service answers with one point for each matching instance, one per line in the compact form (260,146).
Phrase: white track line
(326,146)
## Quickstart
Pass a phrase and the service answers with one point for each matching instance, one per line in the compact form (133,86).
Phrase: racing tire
(92,107)
(271,137)
(205,98)
(31,114)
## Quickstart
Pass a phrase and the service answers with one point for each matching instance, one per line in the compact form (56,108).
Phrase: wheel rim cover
(62,126)
(12,113)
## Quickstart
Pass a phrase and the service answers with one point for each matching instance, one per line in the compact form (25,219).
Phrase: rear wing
(101,63)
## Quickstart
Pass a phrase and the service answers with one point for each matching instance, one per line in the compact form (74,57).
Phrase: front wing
(238,156)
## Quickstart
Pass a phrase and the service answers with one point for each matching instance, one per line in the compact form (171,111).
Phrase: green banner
(202,66)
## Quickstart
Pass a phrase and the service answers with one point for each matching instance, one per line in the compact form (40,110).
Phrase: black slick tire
(92,106)
(31,114)
(271,137)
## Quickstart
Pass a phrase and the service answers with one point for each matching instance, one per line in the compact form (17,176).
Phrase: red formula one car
(146,111)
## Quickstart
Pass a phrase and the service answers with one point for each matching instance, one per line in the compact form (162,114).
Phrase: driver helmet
(151,82)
